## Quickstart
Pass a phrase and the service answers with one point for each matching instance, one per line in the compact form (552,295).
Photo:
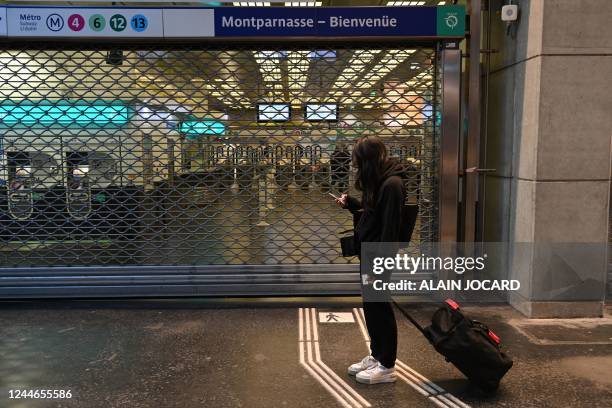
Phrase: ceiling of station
(238,79)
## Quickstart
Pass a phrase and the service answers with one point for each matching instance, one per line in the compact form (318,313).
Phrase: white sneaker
(367,362)
(376,375)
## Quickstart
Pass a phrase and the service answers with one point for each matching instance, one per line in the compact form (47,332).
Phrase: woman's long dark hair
(369,157)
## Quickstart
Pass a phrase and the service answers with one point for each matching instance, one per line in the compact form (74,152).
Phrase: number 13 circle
(139,23)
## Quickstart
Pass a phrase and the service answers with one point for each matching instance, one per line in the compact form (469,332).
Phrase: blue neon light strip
(207,127)
(97,114)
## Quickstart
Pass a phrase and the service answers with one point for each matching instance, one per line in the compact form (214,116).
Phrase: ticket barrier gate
(238,167)
(20,194)
(32,212)
(28,208)
(78,193)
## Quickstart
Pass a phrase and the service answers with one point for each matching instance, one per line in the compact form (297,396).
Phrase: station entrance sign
(233,22)
(84,22)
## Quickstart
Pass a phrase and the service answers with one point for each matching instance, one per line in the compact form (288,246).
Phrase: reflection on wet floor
(301,227)
(206,225)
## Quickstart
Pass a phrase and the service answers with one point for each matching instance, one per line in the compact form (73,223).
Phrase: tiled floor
(246,353)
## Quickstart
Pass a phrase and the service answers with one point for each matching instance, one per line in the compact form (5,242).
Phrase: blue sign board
(326,22)
(243,22)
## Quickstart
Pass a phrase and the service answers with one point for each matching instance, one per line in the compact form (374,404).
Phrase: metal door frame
(250,280)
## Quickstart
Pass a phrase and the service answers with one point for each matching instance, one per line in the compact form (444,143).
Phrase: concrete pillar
(549,129)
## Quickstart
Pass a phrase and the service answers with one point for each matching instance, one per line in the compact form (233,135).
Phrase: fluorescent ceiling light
(205,127)
(303,3)
(252,3)
(391,60)
(269,66)
(406,3)
(63,113)
(356,65)
(322,54)
(298,66)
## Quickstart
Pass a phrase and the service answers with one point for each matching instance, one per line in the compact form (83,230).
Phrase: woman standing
(382,215)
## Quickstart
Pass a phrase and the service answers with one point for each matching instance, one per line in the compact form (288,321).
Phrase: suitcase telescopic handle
(407,316)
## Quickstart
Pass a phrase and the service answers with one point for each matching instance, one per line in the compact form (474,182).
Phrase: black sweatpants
(382,329)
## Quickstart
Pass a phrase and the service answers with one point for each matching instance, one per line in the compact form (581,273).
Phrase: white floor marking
(433,385)
(319,379)
(315,328)
(418,375)
(307,325)
(364,331)
(413,385)
(313,369)
(419,382)
(448,402)
(437,402)
(336,317)
(301,324)
(364,319)
(329,370)
(339,389)
(457,401)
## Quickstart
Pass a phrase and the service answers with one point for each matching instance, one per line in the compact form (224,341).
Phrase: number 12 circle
(118,22)
(76,22)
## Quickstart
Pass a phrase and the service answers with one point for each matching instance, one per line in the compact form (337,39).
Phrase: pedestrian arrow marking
(336,317)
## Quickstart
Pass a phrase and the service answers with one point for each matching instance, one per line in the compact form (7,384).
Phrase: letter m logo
(55,22)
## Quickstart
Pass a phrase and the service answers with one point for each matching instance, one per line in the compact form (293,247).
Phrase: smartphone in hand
(341,201)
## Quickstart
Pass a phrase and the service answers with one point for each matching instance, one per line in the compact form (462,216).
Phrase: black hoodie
(386,221)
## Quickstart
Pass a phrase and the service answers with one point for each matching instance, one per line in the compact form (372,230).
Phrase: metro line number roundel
(139,23)
(117,22)
(76,22)
(97,22)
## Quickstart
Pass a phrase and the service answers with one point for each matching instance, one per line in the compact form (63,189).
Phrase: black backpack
(468,344)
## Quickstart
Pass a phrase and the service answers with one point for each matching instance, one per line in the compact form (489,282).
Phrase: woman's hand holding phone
(342,200)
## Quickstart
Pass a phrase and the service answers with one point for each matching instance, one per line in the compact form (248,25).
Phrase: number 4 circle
(76,22)
(139,23)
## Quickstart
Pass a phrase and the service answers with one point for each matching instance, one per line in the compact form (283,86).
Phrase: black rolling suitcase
(470,345)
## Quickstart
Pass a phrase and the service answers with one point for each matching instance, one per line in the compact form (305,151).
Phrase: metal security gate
(140,170)
(609,280)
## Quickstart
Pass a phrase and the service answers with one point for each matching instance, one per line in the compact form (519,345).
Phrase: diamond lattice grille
(200,156)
